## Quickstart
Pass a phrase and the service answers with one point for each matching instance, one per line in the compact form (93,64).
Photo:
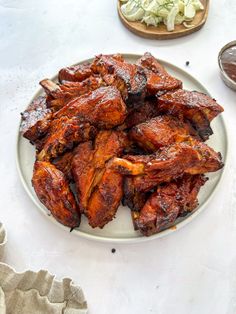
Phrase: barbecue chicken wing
(167,203)
(60,95)
(76,73)
(105,199)
(36,119)
(158,80)
(130,79)
(193,157)
(160,131)
(103,108)
(53,191)
(63,135)
(196,107)
(150,170)
(88,164)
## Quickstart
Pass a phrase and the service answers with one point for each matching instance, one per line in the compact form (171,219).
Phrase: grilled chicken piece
(158,80)
(81,88)
(198,108)
(88,164)
(150,170)
(165,205)
(60,95)
(193,157)
(53,191)
(103,108)
(84,173)
(51,88)
(63,135)
(130,79)
(158,84)
(150,63)
(160,131)
(36,119)
(209,160)
(147,110)
(64,164)
(76,73)
(105,199)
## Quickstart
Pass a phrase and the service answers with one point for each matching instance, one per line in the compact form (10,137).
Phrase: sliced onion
(171,17)
(153,12)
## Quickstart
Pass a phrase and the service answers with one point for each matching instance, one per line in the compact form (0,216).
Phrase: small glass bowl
(227,80)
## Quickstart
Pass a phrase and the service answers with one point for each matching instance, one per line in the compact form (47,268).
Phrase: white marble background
(192,271)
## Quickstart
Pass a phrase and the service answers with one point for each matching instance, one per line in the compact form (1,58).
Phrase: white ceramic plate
(121,230)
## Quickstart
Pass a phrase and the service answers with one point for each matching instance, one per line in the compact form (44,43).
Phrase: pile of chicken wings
(109,132)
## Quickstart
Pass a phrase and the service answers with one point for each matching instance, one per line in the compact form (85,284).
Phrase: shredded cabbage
(154,12)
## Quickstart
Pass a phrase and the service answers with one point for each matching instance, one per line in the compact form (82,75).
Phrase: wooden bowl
(160,32)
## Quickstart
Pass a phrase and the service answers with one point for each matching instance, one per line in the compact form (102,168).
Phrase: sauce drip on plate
(228,61)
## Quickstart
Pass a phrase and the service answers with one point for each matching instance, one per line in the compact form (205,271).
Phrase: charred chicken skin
(88,165)
(158,80)
(196,107)
(53,191)
(146,110)
(167,203)
(36,119)
(159,132)
(130,79)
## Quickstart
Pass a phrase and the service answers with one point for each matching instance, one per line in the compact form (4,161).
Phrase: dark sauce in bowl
(228,62)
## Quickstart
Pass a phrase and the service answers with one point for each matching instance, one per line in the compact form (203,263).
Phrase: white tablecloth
(191,271)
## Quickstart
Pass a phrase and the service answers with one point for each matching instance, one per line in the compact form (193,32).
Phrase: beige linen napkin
(37,292)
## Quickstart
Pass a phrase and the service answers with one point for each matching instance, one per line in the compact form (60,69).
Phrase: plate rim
(138,239)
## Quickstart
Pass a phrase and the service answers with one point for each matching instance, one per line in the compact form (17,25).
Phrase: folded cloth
(37,292)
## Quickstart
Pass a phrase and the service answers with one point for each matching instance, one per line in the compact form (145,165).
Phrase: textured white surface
(191,271)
